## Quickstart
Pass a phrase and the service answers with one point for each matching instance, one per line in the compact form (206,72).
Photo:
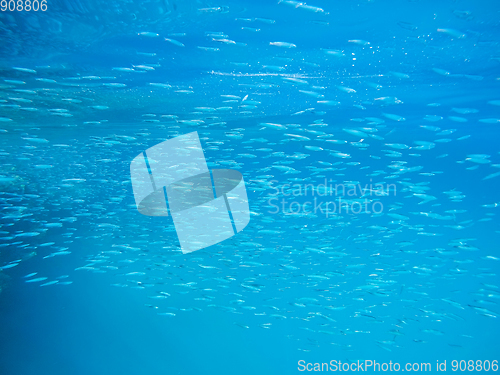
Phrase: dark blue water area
(106,329)
(90,326)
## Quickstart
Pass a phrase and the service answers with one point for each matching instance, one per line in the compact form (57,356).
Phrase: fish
(283,44)
(148,34)
(452,32)
(174,42)
(25,70)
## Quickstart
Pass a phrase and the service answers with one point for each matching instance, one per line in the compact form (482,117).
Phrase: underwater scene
(249,187)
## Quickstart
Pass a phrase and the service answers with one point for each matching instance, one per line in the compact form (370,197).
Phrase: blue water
(400,94)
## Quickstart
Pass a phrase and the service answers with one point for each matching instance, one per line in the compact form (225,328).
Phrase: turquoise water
(390,107)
